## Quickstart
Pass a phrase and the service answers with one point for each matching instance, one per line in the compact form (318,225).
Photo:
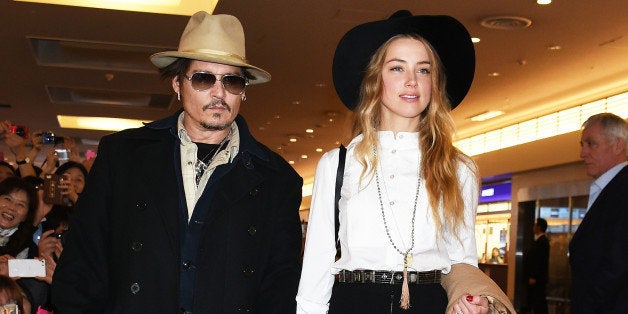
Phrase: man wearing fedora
(188,214)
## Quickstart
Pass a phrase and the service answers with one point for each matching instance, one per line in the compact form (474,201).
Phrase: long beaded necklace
(407,256)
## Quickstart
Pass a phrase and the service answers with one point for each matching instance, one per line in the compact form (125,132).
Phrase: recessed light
(494,74)
(554,47)
(277,116)
(319,150)
(475,40)
(487,115)
(296,102)
(543,2)
(320,84)
(303,156)
(309,131)
(291,162)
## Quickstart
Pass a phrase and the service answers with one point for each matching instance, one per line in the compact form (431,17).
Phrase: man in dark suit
(188,214)
(598,251)
(536,265)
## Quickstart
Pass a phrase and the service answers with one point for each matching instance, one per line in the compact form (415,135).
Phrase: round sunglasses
(202,81)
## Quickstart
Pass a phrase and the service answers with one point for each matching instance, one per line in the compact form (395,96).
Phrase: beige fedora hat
(212,38)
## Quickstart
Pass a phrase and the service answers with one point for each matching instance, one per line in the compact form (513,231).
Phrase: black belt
(389,277)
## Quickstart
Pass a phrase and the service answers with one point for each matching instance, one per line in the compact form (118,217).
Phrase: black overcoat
(598,252)
(124,245)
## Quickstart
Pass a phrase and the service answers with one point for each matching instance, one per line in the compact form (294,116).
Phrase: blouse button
(401,136)
(394,151)
(190,163)
(392,203)
(392,176)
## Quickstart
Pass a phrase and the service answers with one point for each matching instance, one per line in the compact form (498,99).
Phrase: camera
(48,138)
(20,130)
(56,235)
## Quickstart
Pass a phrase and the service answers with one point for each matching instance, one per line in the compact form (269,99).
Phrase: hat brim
(163,59)
(449,38)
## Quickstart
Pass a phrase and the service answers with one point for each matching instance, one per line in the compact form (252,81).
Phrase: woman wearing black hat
(409,197)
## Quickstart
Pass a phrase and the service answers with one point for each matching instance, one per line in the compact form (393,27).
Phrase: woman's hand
(68,189)
(51,161)
(50,270)
(4,264)
(49,246)
(470,304)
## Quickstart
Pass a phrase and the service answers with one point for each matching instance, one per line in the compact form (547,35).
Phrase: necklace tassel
(404,303)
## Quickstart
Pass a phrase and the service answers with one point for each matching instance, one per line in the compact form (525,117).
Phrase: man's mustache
(217,103)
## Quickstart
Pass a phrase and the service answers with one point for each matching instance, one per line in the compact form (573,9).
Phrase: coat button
(252,230)
(253,192)
(186,265)
(137,246)
(248,271)
(244,309)
(135,288)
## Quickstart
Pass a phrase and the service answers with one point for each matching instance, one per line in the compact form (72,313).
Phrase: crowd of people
(32,225)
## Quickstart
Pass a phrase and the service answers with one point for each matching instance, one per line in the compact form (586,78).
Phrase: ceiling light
(475,40)
(494,74)
(543,2)
(554,47)
(291,162)
(292,139)
(99,123)
(177,7)
(319,150)
(309,131)
(487,115)
(304,156)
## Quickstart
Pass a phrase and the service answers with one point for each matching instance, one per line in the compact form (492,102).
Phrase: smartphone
(27,268)
(52,191)
(20,130)
(63,154)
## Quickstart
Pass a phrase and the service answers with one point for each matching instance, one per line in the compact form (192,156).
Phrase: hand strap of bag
(339,176)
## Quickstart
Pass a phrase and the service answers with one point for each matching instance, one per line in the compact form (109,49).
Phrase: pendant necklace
(407,256)
(201,165)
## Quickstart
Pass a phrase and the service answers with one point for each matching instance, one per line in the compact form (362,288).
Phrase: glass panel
(578,212)
(491,235)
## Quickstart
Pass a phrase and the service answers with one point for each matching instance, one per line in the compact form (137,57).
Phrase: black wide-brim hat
(448,36)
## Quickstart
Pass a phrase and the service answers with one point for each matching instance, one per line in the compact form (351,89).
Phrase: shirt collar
(604,179)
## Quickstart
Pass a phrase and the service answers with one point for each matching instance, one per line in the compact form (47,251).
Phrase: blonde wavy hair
(440,159)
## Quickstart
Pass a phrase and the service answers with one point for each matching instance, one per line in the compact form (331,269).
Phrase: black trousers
(377,298)
(537,302)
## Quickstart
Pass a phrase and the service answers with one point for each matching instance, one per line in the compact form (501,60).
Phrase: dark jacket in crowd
(124,250)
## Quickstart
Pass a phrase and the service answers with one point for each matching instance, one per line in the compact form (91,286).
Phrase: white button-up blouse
(362,234)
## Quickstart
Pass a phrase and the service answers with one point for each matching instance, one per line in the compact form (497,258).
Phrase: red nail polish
(469,298)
